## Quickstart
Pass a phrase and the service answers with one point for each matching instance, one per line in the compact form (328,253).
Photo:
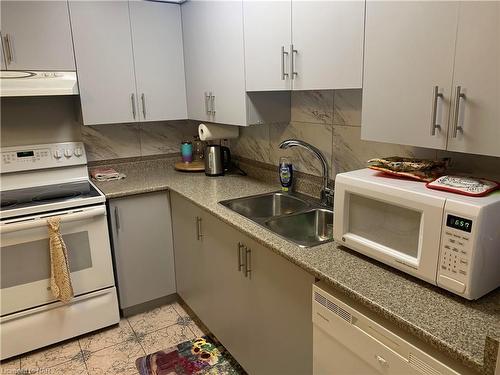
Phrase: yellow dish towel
(60,278)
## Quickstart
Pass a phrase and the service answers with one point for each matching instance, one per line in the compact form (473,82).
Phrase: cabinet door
(213,46)
(328,37)
(39,35)
(230,306)
(477,71)
(279,325)
(409,49)
(196,28)
(159,60)
(103,50)
(143,252)
(191,264)
(227,64)
(267,26)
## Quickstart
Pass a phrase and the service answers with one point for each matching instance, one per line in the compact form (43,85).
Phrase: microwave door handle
(42,221)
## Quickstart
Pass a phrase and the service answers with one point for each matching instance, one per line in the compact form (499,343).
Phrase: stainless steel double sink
(295,217)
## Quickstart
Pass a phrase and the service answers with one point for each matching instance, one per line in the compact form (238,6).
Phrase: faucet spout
(326,192)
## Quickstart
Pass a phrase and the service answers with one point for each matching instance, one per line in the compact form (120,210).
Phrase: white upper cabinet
(129,60)
(213,44)
(159,60)
(303,45)
(268,36)
(328,38)
(409,52)
(215,68)
(432,75)
(36,35)
(227,62)
(105,61)
(477,73)
(197,49)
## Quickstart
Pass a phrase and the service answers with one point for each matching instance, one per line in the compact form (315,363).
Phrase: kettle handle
(226,157)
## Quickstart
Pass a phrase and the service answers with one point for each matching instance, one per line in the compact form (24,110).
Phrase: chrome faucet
(326,191)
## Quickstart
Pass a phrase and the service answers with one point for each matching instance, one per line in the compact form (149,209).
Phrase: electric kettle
(217,160)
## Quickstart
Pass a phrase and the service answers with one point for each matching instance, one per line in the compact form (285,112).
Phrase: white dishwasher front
(347,342)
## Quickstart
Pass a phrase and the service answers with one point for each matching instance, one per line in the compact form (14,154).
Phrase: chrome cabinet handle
(458,96)
(143,100)
(240,258)
(8,49)
(292,61)
(117,219)
(248,260)
(132,99)
(213,104)
(210,104)
(437,95)
(207,111)
(199,235)
(284,53)
(381,360)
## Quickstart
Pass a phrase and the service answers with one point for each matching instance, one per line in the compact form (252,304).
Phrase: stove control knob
(68,152)
(78,151)
(57,154)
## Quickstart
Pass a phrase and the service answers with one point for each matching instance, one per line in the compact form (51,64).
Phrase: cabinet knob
(78,151)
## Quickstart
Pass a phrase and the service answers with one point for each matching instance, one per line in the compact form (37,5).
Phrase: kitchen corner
(467,331)
(261,187)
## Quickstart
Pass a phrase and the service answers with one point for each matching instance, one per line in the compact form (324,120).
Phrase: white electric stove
(37,182)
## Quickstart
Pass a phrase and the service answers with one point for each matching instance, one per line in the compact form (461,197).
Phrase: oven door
(397,227)
(25,257)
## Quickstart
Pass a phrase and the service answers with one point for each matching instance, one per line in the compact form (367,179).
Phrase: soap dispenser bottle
(285,170)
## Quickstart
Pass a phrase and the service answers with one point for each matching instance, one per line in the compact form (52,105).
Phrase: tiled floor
(113,350)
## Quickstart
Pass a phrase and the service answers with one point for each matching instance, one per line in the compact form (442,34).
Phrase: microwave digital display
(459,223)
(24,154)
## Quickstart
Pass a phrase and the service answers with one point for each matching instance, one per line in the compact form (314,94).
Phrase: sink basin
(267,205)
(295,217)
(306,229)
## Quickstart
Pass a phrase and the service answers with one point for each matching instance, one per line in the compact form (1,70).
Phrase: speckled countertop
(468,331)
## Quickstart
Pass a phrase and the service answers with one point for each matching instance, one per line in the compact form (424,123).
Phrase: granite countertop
(468,331)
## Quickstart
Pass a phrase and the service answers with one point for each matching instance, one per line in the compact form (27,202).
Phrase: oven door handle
(42,220)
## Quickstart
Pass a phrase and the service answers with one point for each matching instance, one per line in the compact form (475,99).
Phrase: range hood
(36,83)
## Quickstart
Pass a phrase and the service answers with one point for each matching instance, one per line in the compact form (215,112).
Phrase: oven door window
(25,263)
(25,258)
(392,226)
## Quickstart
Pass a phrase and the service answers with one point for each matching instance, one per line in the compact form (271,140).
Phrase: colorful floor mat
(204,355)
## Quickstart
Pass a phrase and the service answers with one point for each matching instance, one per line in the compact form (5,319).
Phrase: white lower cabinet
(141,231)
(254,301)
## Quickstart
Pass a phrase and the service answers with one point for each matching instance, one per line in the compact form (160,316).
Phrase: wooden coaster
(195,166)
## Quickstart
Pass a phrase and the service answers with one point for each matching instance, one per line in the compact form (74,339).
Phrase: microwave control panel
(455,253)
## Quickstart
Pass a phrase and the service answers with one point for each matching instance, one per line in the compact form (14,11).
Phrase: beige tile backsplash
(331,121)
(328,119)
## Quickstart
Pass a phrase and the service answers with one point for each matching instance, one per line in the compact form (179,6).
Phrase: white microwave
(446,239)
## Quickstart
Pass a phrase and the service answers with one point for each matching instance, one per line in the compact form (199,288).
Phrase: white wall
(37,120)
